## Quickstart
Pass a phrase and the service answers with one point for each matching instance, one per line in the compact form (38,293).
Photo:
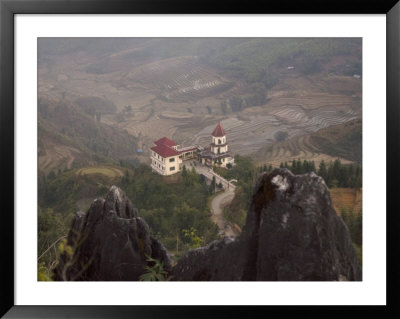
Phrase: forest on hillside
(178,211)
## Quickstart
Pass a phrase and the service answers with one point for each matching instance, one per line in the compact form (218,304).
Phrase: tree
(212,186)
(323,172)
(191,235)
(310,64)
(236,103)
(184,172)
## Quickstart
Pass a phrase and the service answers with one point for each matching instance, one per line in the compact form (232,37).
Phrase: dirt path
(217,208)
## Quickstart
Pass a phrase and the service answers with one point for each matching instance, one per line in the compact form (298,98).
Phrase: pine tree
(323,172)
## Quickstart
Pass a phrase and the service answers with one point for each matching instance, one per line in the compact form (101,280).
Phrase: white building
(167,156)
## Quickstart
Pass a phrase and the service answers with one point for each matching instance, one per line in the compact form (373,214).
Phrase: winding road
(217,209)
(220,201)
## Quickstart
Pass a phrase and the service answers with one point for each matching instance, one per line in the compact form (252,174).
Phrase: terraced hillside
(180,79)
(143,89)
(252,134)
(343,141)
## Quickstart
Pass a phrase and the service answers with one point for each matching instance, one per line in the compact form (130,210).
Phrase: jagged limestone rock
(219,261)
(110,242)
(292,233)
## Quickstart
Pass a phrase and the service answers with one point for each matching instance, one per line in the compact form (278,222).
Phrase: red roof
(165,141)
(218,131)
(164,150)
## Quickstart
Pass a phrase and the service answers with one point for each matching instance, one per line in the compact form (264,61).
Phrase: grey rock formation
(220,261)
(292,233)
(110,242)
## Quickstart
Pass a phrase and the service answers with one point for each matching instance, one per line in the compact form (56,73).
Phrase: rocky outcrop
(221,260)
(110,242)
(292,233)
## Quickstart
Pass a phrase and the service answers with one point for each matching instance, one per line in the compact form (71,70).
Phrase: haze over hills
(106,98)
(294,103)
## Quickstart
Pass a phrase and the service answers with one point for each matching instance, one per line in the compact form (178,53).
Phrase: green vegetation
(195,240)
(110,172)
(170,208)
(96,105)
(52,228)
(235,212)
(176,212)
(334,173)
(154,271)
(354,224)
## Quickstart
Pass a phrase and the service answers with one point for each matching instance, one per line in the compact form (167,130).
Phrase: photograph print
(199,159)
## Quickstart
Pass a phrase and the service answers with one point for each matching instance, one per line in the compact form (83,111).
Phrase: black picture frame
(9,8)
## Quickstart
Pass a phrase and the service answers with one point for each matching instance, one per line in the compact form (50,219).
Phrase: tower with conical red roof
(219,145)
(217,153)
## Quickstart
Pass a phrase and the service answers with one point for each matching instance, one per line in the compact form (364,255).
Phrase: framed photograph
(242,156)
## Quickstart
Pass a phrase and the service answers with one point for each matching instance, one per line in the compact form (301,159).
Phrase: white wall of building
(219,141)
(165,166)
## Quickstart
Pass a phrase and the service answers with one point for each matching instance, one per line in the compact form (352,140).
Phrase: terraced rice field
(57,156)
(250,135)
(110,172)
(317,118)
(180,79)
(313,100)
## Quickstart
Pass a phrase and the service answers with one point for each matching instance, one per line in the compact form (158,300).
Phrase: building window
(223,159)
(163,168)
(172,159)
(219,141)
(172,168)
